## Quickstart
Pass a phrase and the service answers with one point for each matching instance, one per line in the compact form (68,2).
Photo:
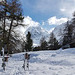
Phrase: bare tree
(12,11)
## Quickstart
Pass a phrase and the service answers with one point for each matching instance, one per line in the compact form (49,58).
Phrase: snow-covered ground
(60,62)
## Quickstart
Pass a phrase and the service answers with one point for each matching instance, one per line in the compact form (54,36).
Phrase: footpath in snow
(60,62)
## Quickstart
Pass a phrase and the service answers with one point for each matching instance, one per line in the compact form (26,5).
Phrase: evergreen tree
(67,34)
(29,42)
(73,19)
(73,27)
(53,43)
(43,44)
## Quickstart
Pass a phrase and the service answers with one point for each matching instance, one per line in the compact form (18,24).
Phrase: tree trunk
(4,37)
(8,39)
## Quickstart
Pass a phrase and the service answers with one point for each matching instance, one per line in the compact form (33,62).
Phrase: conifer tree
(73,26)
(67,34)
(29,42)
(53,43)
(43,44)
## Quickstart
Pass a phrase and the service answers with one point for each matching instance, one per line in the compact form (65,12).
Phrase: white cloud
(28,21)
(67,7)
(63,9)
(55,21)
(59,7)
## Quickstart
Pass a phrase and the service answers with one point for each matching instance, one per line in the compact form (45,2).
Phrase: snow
(36,34)
(60,62)
(58,31)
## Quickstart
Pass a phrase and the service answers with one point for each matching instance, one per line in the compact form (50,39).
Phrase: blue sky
(48,13)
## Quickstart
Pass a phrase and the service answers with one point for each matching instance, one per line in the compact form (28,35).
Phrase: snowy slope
(58,31)
(60,62)
(37,33)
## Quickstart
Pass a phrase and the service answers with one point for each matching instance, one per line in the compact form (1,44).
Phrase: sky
(47,13)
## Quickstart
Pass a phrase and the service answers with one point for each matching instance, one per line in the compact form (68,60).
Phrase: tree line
(67,40)
(51,44)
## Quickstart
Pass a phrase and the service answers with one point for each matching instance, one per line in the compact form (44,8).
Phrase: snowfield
(60,62)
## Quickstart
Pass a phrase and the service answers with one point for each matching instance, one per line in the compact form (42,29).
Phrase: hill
(60,62)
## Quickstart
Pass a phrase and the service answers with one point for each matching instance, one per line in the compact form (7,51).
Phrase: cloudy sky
(47,13)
